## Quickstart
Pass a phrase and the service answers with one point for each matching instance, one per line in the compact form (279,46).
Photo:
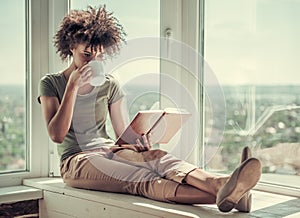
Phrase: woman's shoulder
(54,80)
(59,76)
(112,80)
(115,90)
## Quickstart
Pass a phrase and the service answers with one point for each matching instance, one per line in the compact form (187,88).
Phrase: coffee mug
(98,75)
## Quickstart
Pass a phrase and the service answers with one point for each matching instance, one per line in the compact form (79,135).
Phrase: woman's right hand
(80,76)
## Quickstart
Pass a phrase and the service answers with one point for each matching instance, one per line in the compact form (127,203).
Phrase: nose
(98,56)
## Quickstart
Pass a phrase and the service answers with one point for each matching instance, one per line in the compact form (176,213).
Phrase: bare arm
(119,116)
(58,117)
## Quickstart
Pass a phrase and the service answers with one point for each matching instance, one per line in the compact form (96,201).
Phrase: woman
(75,113)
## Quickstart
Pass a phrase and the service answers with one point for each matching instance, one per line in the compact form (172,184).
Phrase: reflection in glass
(254,53)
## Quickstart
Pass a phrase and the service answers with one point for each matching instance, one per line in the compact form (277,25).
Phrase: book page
(141,124)
(168,126)
(163,125)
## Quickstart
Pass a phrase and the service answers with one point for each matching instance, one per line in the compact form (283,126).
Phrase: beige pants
(153,174)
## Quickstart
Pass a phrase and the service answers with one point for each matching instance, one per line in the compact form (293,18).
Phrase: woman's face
(82,55)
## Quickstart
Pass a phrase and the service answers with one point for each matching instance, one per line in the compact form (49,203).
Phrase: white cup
(98,76)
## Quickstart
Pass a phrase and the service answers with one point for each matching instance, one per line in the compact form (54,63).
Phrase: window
(23,138)
(13,89)
(253,49)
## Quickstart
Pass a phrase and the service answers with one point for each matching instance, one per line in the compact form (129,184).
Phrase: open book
(162,124)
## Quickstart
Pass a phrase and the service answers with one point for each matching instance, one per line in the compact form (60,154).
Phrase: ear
(72,50)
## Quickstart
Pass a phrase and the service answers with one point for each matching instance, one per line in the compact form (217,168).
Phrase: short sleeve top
(88,128)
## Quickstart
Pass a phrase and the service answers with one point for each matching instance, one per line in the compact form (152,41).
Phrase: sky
(12,42)
(253,41)
(246,42)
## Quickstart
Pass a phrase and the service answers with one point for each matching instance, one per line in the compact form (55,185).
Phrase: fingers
(140,146)
(145,140)
(84,74)
(149,140)
(143,144)
(146,144)
(85,70)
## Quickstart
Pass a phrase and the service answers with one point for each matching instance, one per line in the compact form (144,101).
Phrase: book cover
(163,125)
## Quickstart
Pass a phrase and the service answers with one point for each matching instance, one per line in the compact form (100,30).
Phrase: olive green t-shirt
(88,128)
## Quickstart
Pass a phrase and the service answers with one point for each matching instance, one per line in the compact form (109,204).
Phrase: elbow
(57,138)
(56,134)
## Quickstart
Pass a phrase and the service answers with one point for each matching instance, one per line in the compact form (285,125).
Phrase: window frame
(41,59)
(181,17)
(36,18)
(57,10)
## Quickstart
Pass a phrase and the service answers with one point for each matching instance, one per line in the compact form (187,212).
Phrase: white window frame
(57,10)
(181,17)
(37,62)
(44,17)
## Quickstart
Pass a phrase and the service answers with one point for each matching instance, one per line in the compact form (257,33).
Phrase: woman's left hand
(145,145)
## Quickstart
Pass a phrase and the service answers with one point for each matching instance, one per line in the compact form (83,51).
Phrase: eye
(87,54)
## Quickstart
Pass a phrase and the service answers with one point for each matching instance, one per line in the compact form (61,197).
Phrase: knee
(154,154)
(129,155)
(145,156)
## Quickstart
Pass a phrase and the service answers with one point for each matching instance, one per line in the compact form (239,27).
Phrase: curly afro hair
(97,28)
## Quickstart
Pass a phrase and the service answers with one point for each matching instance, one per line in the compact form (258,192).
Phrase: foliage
(281,126)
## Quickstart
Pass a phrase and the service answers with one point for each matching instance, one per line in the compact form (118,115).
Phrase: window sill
(60,199)
(19,193)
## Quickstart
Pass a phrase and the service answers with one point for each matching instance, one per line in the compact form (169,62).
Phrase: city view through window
(254,53)
(13,132)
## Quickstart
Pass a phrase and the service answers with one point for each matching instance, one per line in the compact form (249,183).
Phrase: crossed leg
(157,175)
(195,185)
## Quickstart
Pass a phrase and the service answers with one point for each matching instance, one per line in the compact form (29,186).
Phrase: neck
(67,72)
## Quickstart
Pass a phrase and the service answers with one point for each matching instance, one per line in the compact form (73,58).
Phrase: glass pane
(253,47)
(137,73)
(12,86)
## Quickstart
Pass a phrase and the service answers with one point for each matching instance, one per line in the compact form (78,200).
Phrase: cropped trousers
(154,174)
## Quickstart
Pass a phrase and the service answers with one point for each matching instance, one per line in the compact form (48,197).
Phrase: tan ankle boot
(244,205)
(240,182)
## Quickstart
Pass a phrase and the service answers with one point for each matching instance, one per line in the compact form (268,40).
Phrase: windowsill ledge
(19,193)
(60,199)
